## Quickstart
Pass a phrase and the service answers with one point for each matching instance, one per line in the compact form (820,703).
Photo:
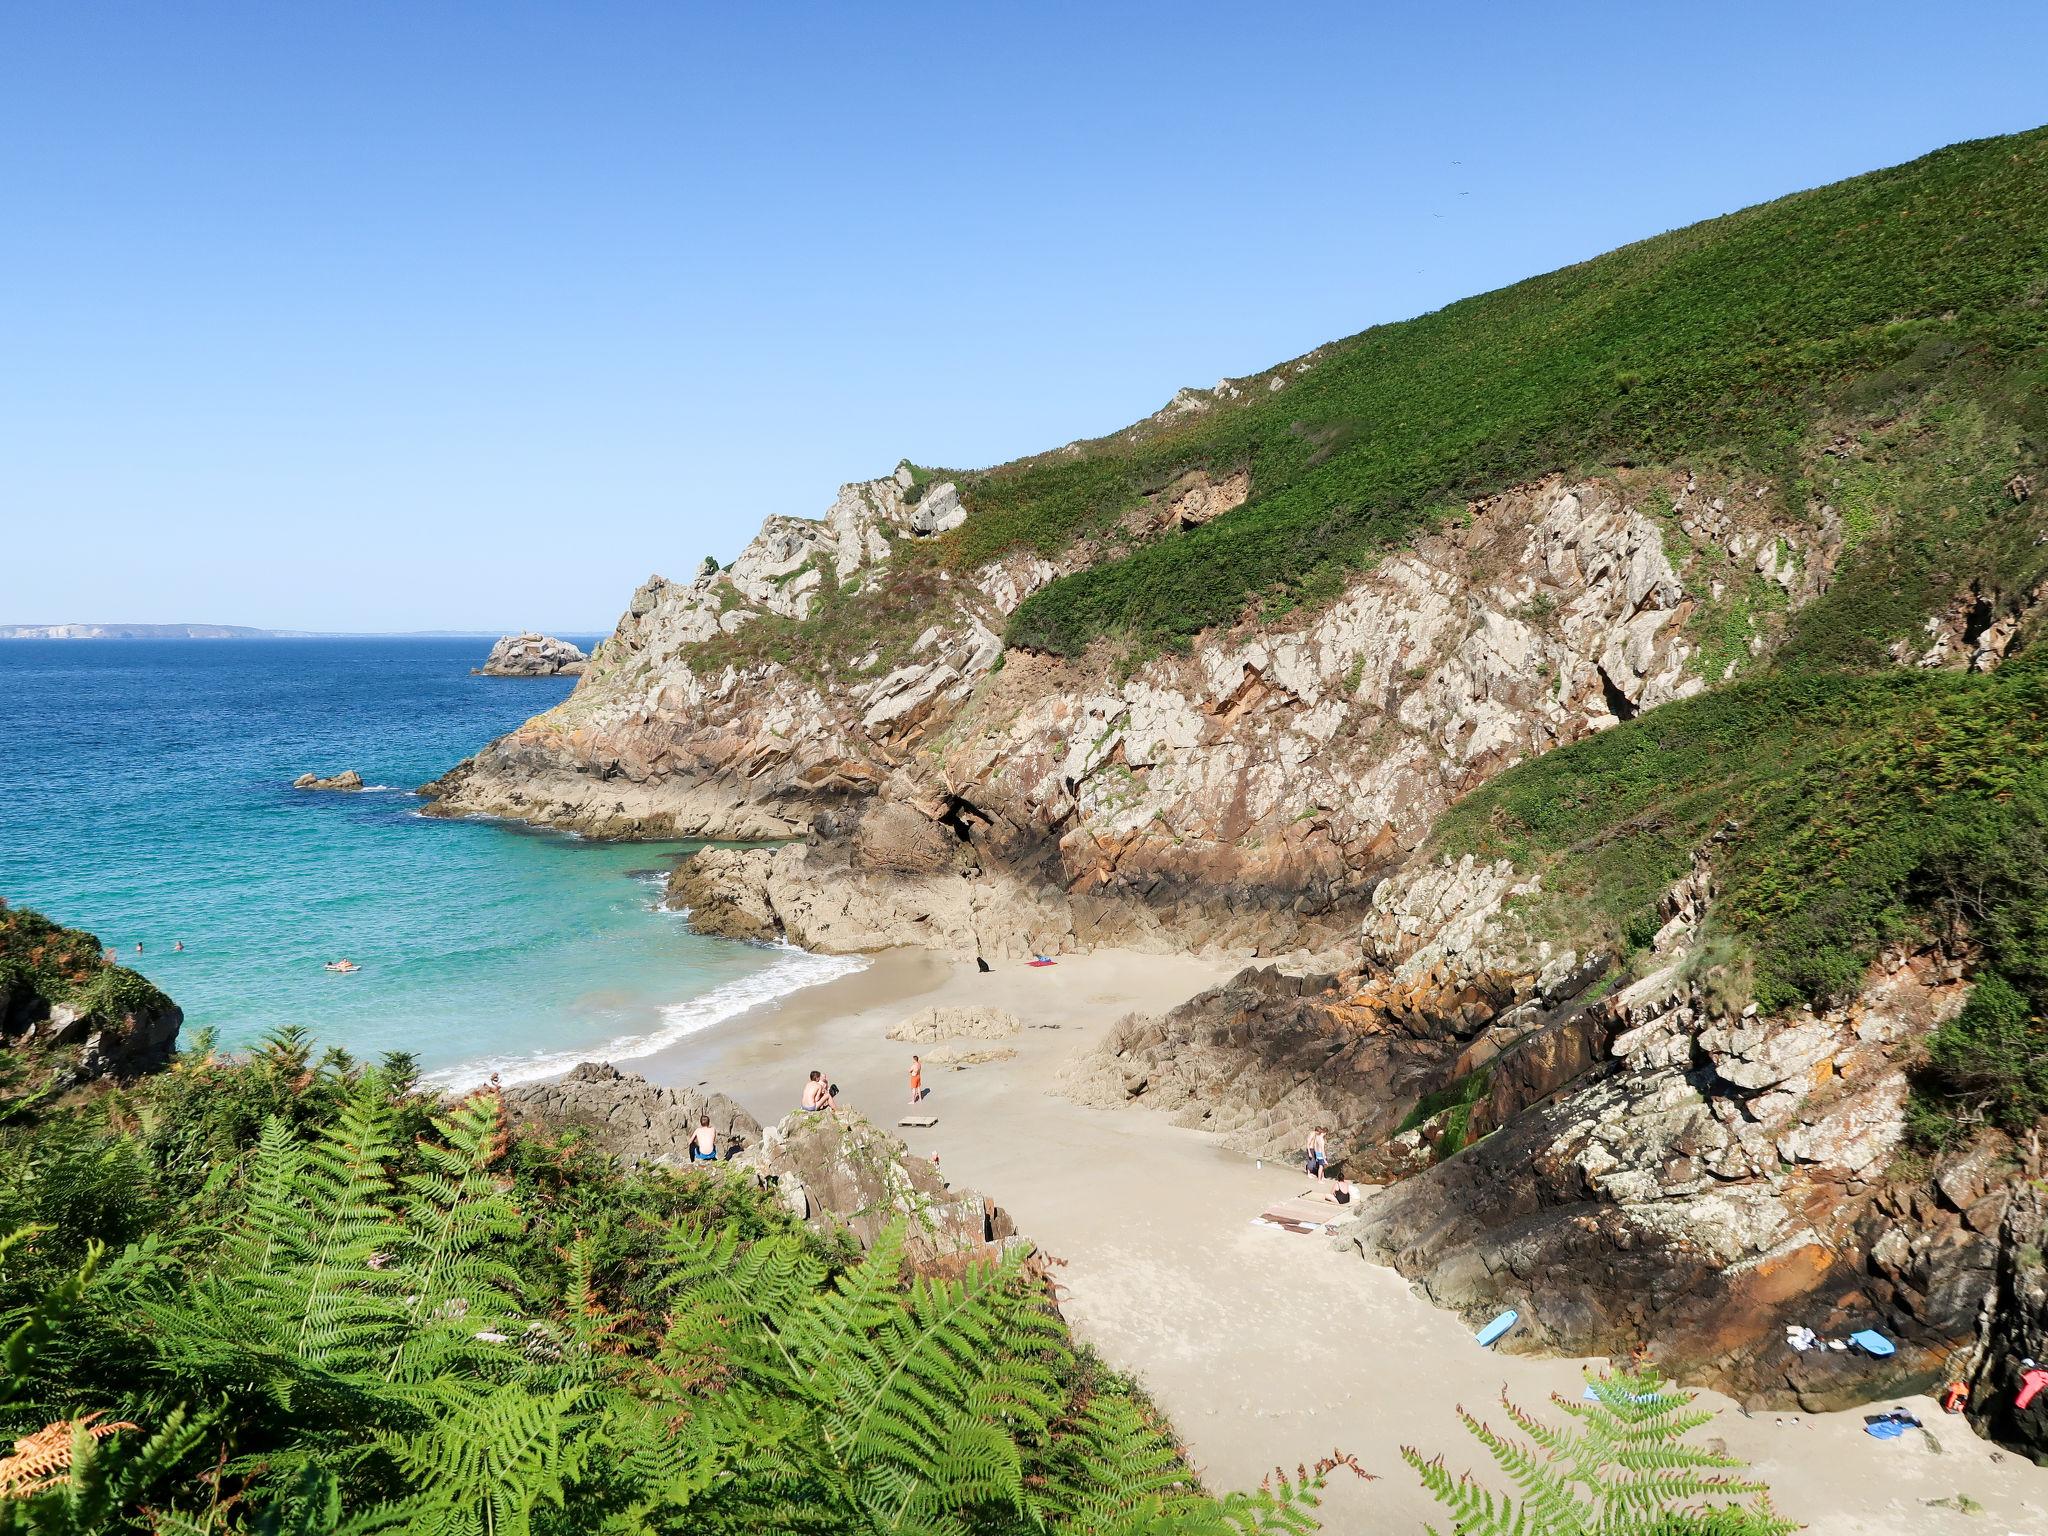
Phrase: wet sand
(1266,1348)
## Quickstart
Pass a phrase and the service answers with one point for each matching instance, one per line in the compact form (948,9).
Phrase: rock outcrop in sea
(347,781)
(528,654)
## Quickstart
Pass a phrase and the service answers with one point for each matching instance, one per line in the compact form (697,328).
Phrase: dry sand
(1265,1347)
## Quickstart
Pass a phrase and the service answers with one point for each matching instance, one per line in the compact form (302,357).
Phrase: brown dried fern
(43,1460)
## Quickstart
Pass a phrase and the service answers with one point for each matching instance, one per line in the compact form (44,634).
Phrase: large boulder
(839,1172)
(533,655)
(632,1119)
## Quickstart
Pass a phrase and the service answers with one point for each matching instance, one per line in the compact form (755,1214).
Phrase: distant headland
(140,632)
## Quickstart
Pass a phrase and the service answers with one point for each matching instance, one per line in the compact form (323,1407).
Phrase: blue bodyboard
(1500,1325)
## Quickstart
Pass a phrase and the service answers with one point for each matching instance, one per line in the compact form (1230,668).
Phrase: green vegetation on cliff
(1743,342)
(43,965)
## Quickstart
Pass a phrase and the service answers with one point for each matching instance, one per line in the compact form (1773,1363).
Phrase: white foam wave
(794,970)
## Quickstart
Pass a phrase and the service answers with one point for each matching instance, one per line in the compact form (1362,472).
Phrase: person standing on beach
(916,1079)
(1318,1153)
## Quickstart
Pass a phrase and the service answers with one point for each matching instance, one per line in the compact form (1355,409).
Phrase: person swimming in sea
(342,966)
(178,946)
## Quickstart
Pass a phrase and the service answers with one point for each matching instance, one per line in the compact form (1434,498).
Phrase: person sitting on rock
(704,1145)
(817,1093)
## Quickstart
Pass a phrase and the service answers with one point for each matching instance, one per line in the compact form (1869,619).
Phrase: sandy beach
(1266,1348)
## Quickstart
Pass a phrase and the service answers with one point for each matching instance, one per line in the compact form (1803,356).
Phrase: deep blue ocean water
(145,795)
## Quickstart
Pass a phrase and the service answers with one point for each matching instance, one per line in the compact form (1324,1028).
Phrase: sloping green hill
(1742,342)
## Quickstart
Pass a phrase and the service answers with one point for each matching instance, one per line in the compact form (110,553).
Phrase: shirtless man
(916,1078)
(817,1093)
(704,1144)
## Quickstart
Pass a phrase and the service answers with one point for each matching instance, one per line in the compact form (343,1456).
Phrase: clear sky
(412,315)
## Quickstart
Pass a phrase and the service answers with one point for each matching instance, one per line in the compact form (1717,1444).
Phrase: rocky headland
(528,654)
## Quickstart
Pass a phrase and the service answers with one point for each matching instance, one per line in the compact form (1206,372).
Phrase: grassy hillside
(1742,342)
(1841,812)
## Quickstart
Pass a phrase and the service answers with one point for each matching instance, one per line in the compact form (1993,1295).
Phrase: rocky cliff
(68,1015)
(1236,795)
(1610,705)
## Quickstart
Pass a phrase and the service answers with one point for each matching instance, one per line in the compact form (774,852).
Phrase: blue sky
(415,315)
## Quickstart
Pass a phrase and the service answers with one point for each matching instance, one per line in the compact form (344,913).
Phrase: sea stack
(532,655)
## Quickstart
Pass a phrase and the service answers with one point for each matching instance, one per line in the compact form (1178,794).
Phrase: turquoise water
(145,795)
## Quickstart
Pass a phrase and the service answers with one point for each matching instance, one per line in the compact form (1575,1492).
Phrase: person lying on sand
(704,1145)
(817,1093)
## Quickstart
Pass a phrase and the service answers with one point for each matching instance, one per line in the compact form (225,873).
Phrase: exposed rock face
(2015,1326)
(1445,982)
(347,781)
(1704,1180)
(935,1024)
(69,1015)
(625,1115)
(1240,793)
(533,655)
(837,1171)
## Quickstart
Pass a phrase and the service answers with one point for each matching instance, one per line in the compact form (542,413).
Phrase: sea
(145,795)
